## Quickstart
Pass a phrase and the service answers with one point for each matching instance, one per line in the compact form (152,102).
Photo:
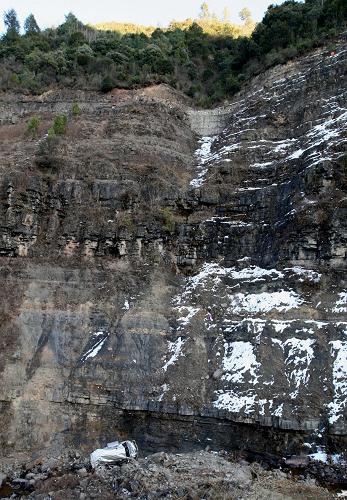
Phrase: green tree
(33,126)
(35,60)
(231,84)
(76,39)
(209,58)
(83,54)
(316,2)
(50,134)
(12,25)
(107,84)
(76,110)
(71,23)
(30,25)
(39,60)
(168,220)
(59,125)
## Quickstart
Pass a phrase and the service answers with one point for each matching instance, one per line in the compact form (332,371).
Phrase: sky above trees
(148,12)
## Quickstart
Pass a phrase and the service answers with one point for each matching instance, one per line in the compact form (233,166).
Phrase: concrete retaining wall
(210,121)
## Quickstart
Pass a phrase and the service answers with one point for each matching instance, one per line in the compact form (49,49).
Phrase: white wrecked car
(113,453)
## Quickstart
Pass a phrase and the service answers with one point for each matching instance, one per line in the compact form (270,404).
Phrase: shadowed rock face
(177,288)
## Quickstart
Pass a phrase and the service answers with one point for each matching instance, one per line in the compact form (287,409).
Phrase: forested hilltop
(209,59)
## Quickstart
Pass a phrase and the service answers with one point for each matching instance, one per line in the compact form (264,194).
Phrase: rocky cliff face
(177,275)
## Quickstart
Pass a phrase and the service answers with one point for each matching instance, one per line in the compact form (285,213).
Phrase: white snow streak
(336,407)
(203,155)
(98,339)
(175,348)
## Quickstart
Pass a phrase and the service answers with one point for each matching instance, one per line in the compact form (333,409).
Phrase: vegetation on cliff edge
(208,59)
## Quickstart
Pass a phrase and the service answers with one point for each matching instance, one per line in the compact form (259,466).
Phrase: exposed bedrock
(174,287)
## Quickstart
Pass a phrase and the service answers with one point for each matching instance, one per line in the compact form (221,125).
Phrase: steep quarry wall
(175,275)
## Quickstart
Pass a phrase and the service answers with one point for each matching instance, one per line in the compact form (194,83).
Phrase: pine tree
(72,24)
(30,25)
(12,24)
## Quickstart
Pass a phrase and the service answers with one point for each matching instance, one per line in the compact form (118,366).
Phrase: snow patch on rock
(341,303)
(305,274)
(282,301)
(203,155)
(299,357)
(235,401)
(339,403)
(97,340)
(239,359)
(175,349)
(165,388)
(186,314)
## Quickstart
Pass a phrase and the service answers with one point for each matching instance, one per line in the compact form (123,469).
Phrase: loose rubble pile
(197,475)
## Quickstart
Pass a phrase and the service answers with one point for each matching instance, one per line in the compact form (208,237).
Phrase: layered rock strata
(177,275)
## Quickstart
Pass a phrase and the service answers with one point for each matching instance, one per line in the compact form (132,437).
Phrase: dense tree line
(207,20)
(209,59)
